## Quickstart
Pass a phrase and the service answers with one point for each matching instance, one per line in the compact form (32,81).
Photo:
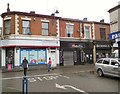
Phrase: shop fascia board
(33,37)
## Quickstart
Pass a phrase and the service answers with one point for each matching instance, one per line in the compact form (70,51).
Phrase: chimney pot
(102,21)
(85,19)
(32,12)
(8,9)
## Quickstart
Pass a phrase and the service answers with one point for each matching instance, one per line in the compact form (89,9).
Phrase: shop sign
(102,46)
(77,46)
(114,35)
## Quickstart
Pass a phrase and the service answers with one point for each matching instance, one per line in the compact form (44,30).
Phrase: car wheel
(100,73)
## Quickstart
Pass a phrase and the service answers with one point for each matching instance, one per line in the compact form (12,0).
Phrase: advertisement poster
(34,56)
(24,53)
(41,57)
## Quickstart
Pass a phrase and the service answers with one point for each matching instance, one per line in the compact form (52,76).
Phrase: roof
(26,14)
(114,8)
(32,13)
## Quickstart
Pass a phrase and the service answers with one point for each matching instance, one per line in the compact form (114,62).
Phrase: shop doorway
(9,57)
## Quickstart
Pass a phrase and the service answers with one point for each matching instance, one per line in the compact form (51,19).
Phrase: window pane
(87,32)
(26,27)
(44,32)
(106,62)
(102,34)
(69,30)
(113,62)
(7,27)
(100,61)
(45,25)
(45,28)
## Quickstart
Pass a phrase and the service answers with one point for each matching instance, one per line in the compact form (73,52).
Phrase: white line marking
(12,88)
(65,87)
(64,76)
(28,76)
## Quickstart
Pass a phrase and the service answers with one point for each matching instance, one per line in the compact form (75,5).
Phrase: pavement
(59,69)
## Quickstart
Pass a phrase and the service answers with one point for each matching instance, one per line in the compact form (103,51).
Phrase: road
(82,81)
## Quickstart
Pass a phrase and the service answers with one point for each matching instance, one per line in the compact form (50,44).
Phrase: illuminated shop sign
(77,46)
(101,46)
(114,35)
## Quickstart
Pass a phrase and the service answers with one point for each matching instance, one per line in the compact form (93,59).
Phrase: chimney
(102,21)
(8,9)
(32,12)
(85,19)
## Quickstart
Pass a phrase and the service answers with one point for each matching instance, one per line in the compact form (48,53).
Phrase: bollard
(25,85)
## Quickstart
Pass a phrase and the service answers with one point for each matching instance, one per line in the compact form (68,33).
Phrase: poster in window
(41,56)
(33,57)
(24,53)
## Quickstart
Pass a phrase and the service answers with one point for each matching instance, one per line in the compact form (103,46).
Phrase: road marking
(18,77)
(64,76)
(65,87)
(12,88)
(49,77)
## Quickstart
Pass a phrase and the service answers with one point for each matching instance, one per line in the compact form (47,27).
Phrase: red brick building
(38,37)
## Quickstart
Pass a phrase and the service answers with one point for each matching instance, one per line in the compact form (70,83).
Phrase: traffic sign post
(25,85)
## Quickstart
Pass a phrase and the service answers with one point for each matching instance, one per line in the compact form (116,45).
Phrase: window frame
(107,61)
(26,27)
(7,28)
(87,32)
(102,33)
(100,61)
(46,29)
(116,62)
(70,30)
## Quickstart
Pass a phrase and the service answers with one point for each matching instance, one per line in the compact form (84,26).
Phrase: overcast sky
(94,10)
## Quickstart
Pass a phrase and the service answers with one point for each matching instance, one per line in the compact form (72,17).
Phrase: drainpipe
(94,52)
(119,49)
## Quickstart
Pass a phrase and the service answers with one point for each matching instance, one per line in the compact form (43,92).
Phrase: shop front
(37,52)
(103,49)
(75,53)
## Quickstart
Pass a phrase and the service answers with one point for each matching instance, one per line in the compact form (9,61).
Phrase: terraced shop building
(29,35)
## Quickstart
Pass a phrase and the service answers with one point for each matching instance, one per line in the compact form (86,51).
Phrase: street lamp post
(53,18)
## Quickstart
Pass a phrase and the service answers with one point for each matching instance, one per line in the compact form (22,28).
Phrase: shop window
(102,34)
(7,26)
(45,28)
(26,27)
(69,30)
(34,56)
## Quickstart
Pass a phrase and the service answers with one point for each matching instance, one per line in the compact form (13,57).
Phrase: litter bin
(9,67)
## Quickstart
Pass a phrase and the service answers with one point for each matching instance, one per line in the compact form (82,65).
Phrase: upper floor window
(102,34)
(45,28)
(69,30)
(87,32)
(26,27)
(7,26)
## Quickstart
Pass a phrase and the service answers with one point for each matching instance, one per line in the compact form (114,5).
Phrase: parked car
(108,66)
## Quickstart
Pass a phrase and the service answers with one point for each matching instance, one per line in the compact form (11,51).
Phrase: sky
(93,10)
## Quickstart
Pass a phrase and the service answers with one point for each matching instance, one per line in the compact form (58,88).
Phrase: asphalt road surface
(84,82)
